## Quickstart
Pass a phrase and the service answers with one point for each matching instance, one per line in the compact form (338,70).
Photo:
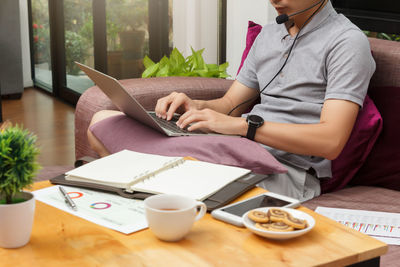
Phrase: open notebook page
(119,169)
(195,179)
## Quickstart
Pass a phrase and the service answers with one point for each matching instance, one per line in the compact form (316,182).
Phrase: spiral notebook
(155,174)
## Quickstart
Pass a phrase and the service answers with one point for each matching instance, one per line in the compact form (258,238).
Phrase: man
(312,74)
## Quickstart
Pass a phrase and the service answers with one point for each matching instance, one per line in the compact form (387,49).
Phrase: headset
(285,17)
(282,19)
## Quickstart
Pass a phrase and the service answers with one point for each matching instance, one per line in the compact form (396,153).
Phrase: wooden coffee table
(59,239)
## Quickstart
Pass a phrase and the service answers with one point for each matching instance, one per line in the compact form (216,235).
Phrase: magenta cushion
(366,130)
(382,166)
(227,150)
(252,32)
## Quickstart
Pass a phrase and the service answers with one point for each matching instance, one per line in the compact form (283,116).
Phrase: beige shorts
(296,183)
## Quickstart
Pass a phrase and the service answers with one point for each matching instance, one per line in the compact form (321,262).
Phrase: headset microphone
(281,19)
(285,17)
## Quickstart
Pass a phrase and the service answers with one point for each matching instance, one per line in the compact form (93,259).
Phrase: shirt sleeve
(247,74)
(349,67)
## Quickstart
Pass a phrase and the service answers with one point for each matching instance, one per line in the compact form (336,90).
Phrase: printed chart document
(383,226)
(149,173)
(108,210)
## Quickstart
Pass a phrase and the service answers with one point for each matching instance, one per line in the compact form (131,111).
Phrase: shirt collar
(315,22)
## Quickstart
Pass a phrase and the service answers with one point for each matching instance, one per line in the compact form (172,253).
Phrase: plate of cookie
(278,223)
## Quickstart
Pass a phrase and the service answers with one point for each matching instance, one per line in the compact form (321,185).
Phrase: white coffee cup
(170,217)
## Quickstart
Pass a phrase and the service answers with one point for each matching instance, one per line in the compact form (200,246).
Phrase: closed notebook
(157,174)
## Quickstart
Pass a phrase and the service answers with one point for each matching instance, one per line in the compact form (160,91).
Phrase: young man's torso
(331,59)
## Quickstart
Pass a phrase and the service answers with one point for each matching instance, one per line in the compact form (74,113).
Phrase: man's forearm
(326,138)
(234,97)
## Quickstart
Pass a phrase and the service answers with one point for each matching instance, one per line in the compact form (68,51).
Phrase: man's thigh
(296,183)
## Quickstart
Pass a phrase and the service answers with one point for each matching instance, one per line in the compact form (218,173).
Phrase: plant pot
(16,221)
(131,68)
(114,63)
(132,43)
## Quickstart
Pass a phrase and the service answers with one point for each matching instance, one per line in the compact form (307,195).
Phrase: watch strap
(251,131)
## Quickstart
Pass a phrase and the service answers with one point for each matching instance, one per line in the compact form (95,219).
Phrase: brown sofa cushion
(382,166)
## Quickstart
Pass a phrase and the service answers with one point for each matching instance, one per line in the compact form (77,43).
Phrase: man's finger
(191,118)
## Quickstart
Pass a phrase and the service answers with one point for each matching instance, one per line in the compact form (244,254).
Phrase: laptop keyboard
(171,125)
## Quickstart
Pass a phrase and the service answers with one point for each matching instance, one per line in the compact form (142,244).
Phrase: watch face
(255,119)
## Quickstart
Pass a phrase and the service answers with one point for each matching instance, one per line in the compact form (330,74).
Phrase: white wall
(195,24)
(239,12)
(26,57)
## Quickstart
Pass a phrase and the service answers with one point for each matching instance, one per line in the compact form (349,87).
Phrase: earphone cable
(284,64)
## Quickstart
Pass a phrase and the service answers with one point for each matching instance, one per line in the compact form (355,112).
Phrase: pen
(68,200)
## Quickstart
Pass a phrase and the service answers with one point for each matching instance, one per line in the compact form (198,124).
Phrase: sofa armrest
(146,91)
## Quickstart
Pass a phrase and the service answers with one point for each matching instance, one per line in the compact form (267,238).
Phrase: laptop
(132,108)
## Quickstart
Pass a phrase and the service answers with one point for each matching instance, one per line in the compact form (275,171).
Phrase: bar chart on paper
(383,226)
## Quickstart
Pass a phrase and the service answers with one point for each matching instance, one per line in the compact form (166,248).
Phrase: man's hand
(174,102)
(209,120)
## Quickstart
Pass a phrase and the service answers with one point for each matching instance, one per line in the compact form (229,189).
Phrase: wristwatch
(254,122)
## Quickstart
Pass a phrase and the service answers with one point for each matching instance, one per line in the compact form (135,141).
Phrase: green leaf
(176,62)
(163,72)
(212,67)
(164,61)
(198,61)
(176,57)
(151,71)
(385,36)
(224,66)
(223,75)
(202,73)
(147,62)
(183,74)
(192,74)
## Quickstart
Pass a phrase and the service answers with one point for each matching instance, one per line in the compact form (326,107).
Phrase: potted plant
(178,65)
(41,43)
(18,166)
(132,20)
(129,19)
(76,47)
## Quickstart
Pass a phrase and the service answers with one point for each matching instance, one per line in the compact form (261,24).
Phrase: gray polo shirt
(331,60)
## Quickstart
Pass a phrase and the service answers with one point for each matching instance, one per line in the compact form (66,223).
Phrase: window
(112,36)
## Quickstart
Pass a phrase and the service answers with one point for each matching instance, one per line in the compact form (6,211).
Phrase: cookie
(258,216)
(275,227)
(295,222)
(277,215)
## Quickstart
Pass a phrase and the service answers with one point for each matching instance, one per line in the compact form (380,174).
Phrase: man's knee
(103,114)
(98,116)
(94,143)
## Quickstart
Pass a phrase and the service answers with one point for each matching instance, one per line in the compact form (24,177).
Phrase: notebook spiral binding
(147,174)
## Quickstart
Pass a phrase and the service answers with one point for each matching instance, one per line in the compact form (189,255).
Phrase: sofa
(374,187)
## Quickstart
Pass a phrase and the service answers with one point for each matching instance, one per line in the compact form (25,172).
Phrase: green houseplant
(178,65)
(18,166)
(76,48)
(130,19)
(41,43)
